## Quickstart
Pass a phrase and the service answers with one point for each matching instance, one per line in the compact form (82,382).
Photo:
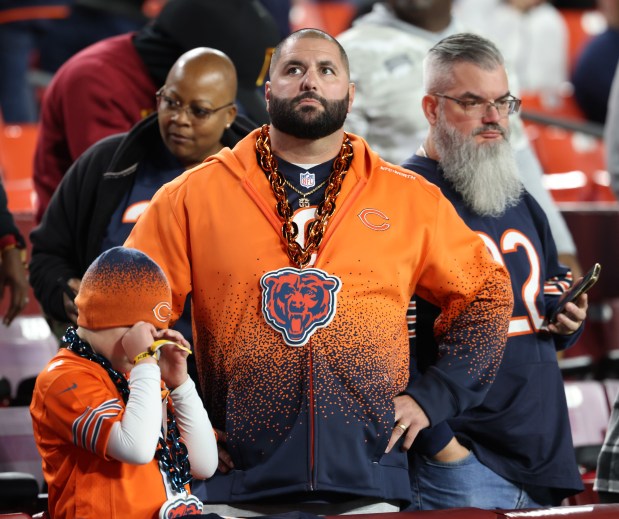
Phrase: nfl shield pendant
(307,180)
(297,302)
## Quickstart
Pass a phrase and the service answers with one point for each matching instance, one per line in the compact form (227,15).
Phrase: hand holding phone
(577,290)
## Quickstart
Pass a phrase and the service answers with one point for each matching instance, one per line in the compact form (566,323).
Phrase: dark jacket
(70,235)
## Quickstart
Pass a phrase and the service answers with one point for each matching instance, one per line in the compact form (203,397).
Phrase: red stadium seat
(582,25)
(17,145)
(573,163)
(333,17)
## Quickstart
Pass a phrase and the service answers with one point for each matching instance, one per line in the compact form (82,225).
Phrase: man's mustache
(310,95)
(493,127)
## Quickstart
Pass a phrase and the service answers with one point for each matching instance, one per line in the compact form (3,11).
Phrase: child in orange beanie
(111,445)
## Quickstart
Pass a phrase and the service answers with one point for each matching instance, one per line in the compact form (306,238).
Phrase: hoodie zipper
(311,419)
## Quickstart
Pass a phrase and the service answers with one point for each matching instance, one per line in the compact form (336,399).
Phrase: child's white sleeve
(134,438)
(196,430)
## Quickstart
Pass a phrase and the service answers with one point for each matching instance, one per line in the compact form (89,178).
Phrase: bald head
(207,68)
(197,104)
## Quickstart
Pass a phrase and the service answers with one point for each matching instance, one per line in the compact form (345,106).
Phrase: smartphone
(577,290)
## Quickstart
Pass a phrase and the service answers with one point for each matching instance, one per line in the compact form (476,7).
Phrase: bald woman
(109,186)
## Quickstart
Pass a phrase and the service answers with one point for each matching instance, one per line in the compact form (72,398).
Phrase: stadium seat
(18,452)
(611,387)
(332,17)
(25,347)
(18,491)
(561,105)
(574,165)
(17,145)
(589,415)
(582,25)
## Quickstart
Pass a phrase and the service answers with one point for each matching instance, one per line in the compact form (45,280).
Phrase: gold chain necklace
(298,255)
(304,200)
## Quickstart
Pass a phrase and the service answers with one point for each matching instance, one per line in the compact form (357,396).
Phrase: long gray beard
(485,175)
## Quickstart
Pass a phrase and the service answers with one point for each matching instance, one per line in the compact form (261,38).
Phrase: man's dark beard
(308,122)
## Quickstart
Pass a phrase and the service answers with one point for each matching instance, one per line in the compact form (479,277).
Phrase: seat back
(611,386)
(25,348)
(589,415)
(18,451)
(17,145)
(582,25)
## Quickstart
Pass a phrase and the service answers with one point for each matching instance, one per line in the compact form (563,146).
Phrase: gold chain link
(307,193)
(298,255)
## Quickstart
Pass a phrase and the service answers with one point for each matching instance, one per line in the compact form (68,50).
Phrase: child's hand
(138,339)
(173,360)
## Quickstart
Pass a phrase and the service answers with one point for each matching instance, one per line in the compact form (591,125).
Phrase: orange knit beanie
(120,288)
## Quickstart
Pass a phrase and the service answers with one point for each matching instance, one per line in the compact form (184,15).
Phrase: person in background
(280,10)
(611,135)
(13,276)
(301,249)
(595,66)
(110,86)
(105,451)
(515,449)
(532,36)
(22,22)
(108,187)
(88,22)
(386,49)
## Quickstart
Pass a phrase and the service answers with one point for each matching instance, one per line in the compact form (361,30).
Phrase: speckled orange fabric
(318,416)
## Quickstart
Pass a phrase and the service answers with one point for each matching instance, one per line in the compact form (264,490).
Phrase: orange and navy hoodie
(312,421)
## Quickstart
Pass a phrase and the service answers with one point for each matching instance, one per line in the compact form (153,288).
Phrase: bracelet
(142,356)
(157,345)
(153,350)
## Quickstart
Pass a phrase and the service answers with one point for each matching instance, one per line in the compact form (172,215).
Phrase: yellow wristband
(155,346)
(142,356)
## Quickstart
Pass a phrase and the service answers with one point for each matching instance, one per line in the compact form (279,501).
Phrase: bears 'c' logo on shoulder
(163,311)
(374,219)
(298,302)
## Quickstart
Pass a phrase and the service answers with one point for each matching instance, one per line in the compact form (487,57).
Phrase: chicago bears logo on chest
(297,302)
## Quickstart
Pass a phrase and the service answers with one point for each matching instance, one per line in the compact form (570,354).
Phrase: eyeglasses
(479,107)
(196,113)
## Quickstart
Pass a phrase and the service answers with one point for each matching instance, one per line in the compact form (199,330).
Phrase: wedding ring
(403,427)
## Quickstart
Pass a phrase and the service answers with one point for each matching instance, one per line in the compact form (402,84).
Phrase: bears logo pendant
(297,302)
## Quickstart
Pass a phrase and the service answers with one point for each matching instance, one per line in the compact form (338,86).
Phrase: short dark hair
(308,33)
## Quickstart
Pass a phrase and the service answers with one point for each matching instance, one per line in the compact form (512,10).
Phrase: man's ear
(429,104)
(267,92)
(351,95)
